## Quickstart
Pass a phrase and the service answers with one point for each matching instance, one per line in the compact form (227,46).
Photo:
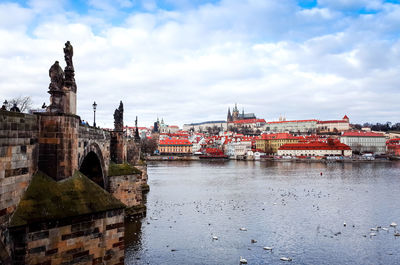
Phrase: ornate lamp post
(94,113)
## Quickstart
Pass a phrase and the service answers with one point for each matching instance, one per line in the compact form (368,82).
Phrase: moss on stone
(46,199)
(142,162)
(122,169)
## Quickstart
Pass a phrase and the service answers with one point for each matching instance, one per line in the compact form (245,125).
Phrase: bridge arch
(91,163)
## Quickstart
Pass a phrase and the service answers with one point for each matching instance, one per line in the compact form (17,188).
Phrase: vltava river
(288,206)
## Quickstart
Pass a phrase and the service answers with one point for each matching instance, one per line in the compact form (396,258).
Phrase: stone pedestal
(57,98)
(70,102)
(58,144)
(117,146)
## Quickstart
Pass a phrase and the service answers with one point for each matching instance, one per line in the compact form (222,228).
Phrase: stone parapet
(90,239)
(18,161)
(87,132)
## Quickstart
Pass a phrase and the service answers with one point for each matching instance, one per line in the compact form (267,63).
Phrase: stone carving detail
(69,69)
(56,77)
(119,118)
(68,53)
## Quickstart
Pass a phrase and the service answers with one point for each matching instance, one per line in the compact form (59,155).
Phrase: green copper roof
(46,199)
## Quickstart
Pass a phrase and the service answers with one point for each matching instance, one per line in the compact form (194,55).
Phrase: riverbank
(295,160)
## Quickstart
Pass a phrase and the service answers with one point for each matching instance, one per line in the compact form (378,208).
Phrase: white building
(307,126)
(294,126)
(235,149)
(203,126)
(364,142)
(330,148)
(334,125)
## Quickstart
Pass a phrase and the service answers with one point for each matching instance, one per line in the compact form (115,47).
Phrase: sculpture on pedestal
(56,77)
(69,69)
(137,136)
(119,118)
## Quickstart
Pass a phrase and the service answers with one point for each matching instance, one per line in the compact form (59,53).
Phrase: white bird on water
(243,260)
(243,229)
(215,238)
(286,259)
(267,248)
(393,224)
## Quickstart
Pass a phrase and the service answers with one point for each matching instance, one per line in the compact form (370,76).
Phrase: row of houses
(282,144)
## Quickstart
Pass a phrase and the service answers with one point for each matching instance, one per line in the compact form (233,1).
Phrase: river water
(298,209)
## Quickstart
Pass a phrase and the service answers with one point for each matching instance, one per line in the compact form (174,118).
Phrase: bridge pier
(58,144)
(50,212)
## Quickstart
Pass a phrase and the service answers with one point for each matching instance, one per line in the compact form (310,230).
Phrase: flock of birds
(243,260)
(311,199)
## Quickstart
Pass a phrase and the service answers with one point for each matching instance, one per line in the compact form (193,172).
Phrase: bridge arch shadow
(92,165)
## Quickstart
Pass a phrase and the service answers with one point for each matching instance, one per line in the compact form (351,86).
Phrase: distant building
(364,142)
(334,125)
(270,143)
(310,126)
(236,149)
(329,148)
(175,146)
(393,147)
(236,116)
(249,123)
(293,126)
(203,126)
(143,131)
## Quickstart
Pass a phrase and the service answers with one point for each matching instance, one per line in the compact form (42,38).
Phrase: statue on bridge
(68,53)
(119,118)
(137,136)
(56,77)
(69,69)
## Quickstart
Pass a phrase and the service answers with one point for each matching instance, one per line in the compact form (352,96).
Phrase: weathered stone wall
(132,151)
(96,140)
(142,179)
(127,189)
(18,161)
(92,239)
(58,142)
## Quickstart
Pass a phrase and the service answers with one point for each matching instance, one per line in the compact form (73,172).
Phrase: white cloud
(189,65)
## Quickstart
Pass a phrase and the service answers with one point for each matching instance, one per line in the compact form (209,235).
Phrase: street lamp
(94,113)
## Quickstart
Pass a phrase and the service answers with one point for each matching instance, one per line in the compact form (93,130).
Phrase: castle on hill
(236,116)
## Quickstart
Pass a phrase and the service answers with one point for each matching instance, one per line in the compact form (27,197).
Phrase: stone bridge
(46,150)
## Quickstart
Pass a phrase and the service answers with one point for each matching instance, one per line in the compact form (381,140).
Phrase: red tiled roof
(345,117)
(271,122)
(362,134)
(250,121)
(333,121)
(277,136)
(394,141)
(315,146)
(175,142)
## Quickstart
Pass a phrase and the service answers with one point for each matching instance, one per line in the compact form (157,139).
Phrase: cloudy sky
(188,61)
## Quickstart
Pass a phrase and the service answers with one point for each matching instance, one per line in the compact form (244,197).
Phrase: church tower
(229,117)
(235,113)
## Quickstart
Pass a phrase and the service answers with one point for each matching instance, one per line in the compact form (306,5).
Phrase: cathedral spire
(229,117)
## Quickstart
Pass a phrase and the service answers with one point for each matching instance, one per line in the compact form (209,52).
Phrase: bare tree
(23,103)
